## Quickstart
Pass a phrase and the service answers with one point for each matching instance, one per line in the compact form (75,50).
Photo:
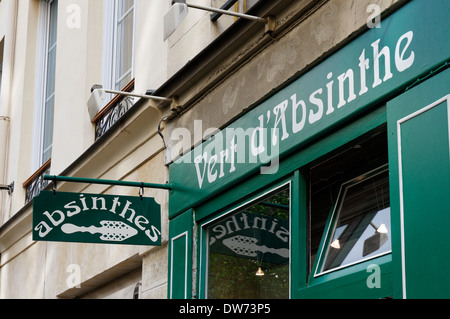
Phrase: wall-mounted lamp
(179,10)
(9,188)
(97,99)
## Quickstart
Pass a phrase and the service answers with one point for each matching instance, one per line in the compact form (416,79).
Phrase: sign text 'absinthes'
(71,217)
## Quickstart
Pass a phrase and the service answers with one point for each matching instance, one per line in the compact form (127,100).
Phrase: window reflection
(329,183)
(249,251)
(362,228)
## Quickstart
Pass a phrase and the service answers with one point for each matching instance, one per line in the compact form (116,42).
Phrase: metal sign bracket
(140,185)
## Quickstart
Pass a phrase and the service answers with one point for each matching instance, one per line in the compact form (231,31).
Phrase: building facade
(306,154)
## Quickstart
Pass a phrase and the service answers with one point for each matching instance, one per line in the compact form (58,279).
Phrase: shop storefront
(336,186)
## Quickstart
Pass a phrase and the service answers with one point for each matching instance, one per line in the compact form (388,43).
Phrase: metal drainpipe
(6,90)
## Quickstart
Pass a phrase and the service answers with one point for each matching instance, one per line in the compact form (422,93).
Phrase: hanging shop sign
(102,219)
(410,43)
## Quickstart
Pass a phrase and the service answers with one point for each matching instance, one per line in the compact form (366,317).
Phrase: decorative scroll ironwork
(112,116)
(34,188)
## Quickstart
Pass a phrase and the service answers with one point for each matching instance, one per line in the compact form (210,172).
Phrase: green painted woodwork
(425,152)
(355,282)
(249,189)
(180,256)
(420,187)
(373,67)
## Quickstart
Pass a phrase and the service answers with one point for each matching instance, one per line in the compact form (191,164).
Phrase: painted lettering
(377,54)
(401,63)
(280,116)
(76,210)
(330,108)
(90,205)
(128,209)
(43,229)
(200,175)
(298,126)
(314,117)
(59,217)
(154,234)
(334,95)
(257,139)
(351,88)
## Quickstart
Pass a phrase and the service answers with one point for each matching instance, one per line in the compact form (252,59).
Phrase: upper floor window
(244,5)
(241,6)
(118,49)
(1,63)
(45,82)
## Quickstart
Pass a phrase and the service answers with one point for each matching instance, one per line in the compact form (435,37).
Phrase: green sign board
(376,65)
(102,219)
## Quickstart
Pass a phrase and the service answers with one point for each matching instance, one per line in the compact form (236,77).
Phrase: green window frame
(330,233)
(236,207)
(354,280)
(302,282)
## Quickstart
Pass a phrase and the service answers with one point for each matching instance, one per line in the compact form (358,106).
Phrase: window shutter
(180,256)
(418,123)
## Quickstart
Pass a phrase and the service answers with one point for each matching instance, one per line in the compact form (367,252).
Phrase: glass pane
(363,221)
(249,251)
(123,6)
(48,129)
(326,178)
(49,104)
(53,21)
(124,44)
(51,66)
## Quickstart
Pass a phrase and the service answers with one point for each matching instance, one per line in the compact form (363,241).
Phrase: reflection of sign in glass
(253,236)
(248,251)
(89,218)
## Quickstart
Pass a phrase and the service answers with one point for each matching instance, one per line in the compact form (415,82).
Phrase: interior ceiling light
(260,272)
(336,244)
(382,229)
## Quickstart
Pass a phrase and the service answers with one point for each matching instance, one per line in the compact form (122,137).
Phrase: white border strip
(185,234)
(400,173)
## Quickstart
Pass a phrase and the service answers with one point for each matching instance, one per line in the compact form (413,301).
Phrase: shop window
(249,251)
(362,221)
(350,205)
